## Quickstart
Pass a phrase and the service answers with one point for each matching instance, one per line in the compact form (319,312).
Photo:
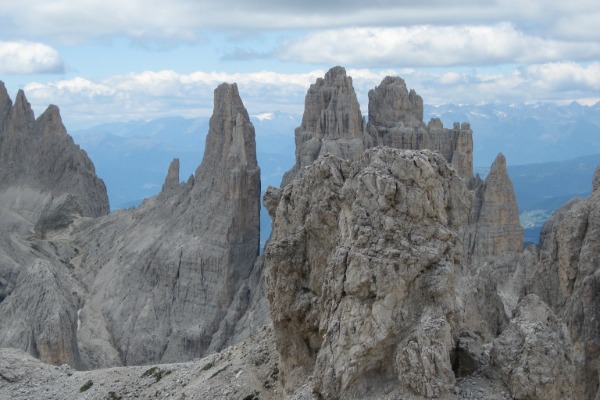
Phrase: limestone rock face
(39,154)
(170,279)
(360,273)
(534,355)
(46,184)
(396,120)
(568,278)
(332,122)
(494,222)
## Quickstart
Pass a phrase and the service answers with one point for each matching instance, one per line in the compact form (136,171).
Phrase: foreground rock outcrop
(567,277)
(360,273)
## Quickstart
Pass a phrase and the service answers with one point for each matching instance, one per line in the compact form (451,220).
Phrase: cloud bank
(434,46)
(152,94)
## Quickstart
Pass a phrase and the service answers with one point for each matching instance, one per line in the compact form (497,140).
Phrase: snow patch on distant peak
(264,116)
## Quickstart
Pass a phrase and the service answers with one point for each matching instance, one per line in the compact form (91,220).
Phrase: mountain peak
(21,116)
(172,179)
(5,105)
(391,102)
(50,122)
(230,142)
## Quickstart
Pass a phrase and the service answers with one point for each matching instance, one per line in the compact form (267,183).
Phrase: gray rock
(46,184)
(534,356)
(172,278)
(59,213)
(39,154)
(360,273)
(396,120)
(567,277)
(494,227)
(331,124)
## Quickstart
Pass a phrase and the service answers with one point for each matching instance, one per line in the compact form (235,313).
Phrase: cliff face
(567,277)
(167,281)
(396,120)
(39,154)
(360,273)
(332,122)
(46,182)
(494,222)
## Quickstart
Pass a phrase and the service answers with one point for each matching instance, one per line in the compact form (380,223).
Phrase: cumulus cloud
(427,45)
(22,57)
(152,94)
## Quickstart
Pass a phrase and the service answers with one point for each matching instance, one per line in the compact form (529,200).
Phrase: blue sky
(108,60)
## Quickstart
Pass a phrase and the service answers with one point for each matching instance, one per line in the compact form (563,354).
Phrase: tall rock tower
(165,278)
(332,122)
(396,120)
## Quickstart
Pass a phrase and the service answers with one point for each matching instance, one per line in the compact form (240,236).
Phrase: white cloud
(154,94)
(427,45)
(185,19)
(22,57)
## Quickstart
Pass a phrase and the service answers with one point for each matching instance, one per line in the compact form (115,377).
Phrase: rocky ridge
(391,273)
(332,123)
(167,281)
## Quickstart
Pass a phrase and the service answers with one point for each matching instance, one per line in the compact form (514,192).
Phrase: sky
(119,60)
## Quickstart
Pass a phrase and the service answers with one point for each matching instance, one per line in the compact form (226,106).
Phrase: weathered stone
(360,273)
(171,278)
(46,184)
(59,213)
(332,122)
(494,227)
(534,356)
(568,278)
(396,120)
(38,153)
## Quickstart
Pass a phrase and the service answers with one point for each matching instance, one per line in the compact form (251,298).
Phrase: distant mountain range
(551,151)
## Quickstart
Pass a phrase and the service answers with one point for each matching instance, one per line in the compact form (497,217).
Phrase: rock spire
(332,122)
(494,222)
(170,278)
(39,154)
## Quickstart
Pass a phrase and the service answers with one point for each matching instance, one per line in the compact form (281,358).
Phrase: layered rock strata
(360,273)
